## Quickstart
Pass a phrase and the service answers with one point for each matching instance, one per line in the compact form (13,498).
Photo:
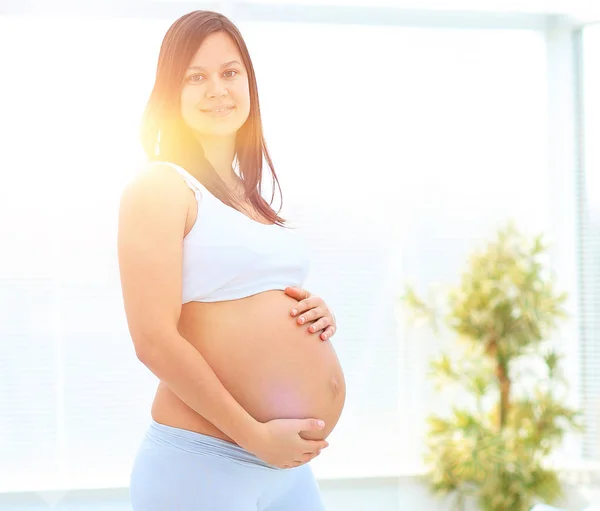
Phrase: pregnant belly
(271,365)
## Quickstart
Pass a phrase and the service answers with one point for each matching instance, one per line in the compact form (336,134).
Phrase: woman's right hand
(278,442)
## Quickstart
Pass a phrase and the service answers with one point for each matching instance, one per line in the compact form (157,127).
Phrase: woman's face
(215,98)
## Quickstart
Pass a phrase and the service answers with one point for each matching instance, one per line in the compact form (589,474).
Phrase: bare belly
(271,365)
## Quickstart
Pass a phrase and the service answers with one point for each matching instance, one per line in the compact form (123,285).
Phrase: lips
(218,109)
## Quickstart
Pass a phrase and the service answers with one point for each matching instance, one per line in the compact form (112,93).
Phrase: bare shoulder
(156,179)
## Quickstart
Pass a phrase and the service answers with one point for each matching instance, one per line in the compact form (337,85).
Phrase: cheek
(242,97)
(188,102)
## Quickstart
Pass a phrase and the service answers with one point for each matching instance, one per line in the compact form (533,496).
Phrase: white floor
(377,494)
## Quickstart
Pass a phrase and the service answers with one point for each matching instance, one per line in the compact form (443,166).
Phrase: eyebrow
(224,65)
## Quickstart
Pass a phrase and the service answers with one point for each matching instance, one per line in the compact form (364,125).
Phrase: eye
(195,78)
(231,71)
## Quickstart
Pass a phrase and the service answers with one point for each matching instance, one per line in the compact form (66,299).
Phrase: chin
(232,132)
(220,129)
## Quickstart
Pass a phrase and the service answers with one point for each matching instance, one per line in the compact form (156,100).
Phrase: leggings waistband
(199,443)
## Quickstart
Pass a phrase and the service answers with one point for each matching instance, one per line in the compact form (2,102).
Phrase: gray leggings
(180,470)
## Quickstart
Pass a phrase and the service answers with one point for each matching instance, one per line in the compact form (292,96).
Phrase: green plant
(496,445)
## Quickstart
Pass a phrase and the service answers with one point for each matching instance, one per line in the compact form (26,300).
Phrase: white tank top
(227,255)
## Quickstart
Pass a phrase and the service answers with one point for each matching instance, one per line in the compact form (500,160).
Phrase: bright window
(396,149)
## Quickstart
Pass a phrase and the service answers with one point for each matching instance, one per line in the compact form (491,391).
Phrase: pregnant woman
(250,385)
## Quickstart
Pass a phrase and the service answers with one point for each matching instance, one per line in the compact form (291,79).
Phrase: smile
(219,111)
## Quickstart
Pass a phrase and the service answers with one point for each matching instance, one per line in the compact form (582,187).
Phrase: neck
(220,152)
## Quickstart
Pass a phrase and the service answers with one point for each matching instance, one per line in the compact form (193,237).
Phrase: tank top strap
(191,181)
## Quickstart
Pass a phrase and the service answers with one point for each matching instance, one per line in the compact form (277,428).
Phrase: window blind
(589,254)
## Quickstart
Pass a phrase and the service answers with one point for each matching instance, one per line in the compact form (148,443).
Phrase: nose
(217,89)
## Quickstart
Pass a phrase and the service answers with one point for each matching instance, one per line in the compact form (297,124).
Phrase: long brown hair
(165,137)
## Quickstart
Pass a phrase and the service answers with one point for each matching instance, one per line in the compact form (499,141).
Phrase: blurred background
(404,133)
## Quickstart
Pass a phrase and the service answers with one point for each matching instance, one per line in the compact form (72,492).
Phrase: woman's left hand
(312,308)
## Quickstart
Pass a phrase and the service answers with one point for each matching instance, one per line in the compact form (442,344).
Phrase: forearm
(179,365)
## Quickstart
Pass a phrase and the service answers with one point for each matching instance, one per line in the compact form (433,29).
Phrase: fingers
(308,456)
(319,325)
(296,292)
(312,449)
(306,304)
(312,314)
(305,458)
(329,331)
(314,452)
(313,446)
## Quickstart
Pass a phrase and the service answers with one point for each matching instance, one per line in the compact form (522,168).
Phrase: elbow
(146,346)
(143,351)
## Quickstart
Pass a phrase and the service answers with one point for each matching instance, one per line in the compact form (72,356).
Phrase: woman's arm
(152,216)
(178,364)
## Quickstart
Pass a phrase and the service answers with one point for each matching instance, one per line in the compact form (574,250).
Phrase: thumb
(311,425)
